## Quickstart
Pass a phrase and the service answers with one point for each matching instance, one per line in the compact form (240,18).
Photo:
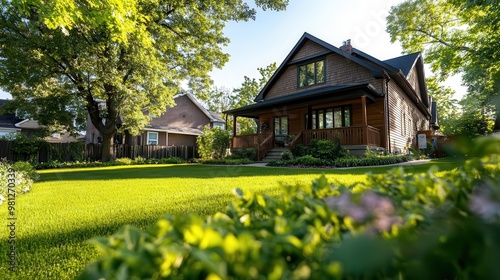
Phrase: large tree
(458,37)
(62,59)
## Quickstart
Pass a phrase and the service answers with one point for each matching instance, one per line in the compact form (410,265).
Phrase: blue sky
(273,34)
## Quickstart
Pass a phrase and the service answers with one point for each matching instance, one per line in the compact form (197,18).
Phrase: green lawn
(69,206)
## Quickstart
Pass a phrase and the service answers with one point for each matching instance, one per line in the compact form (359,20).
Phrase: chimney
(346,46)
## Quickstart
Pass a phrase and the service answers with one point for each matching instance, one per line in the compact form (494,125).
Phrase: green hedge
(394,225)
(310,161)
(227,161)
(119,161)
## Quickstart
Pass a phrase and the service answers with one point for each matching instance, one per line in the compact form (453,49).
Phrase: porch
(365,136)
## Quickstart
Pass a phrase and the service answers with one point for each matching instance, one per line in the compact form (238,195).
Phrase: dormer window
(312,73)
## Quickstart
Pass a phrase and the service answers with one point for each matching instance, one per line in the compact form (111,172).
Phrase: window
(218,124)
(281,125)
(152,138)
(311,74)
(331,117)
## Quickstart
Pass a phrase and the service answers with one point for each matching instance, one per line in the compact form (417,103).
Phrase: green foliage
(404,225)
(213,143)
(327,149)
(452,34)
(370,161)
(130,54)
(223,99)
(20,174)
(286,155)
(120,161)
(300,150)
(245,153)
(28,146)
(226,161)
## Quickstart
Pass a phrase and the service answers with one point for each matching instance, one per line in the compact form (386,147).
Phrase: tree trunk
(107,152)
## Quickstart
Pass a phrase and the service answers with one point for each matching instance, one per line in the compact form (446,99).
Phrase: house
(323,92)
(8,121)
(11,123)
(178,126)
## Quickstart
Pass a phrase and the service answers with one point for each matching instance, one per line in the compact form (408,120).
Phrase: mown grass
(70,206)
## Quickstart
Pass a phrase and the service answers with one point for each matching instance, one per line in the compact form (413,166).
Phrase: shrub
(28,146)
(299,150)
(309,160)
(20,175)
(327,149)
(370,161)
(213,143)
(245,153)
(226,161)
(419,226)
(286,155)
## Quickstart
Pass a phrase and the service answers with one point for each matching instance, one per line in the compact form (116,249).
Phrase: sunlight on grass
(69,206)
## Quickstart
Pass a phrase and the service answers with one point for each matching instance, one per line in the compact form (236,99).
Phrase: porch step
(274,154)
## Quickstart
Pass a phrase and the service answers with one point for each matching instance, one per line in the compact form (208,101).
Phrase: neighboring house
(178,126)
(324,92)
(10,123)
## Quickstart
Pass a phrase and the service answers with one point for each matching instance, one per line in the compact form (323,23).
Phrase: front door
(281,130)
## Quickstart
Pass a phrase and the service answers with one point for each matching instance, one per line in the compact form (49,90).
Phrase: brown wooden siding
(339,71)
(405,119)
(413,80)
(308,49)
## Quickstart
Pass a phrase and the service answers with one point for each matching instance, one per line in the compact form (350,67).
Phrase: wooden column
(234,129)
(365,119)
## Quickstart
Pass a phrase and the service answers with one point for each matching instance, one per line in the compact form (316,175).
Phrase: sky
(272,35)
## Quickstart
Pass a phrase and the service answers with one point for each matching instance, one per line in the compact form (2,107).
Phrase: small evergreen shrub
(245,153)
(300,150)
(286,155)
(327,149)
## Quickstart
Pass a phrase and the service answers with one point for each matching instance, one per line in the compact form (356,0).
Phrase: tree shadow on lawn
(208,172)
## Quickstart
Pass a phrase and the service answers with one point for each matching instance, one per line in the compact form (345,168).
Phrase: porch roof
(310,97)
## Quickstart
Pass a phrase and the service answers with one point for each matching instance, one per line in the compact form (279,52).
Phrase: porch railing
(358,135)
(265,147)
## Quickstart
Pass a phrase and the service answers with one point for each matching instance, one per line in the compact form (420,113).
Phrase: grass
(70,206)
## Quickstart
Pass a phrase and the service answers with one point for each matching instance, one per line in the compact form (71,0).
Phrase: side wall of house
(405,119)
(339,71)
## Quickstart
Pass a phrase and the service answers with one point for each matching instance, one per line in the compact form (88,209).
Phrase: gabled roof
(405,62)
(376,72)
(399,68)
(212,116)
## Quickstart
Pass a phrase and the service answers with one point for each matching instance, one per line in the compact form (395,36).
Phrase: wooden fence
(92,152)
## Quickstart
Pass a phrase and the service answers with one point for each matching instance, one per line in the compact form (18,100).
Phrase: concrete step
(274,154)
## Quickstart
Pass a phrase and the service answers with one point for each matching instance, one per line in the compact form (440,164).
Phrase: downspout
(388,124)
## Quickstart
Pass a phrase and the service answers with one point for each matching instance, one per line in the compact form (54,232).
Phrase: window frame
(315,123)
(304,66)
(148,139)
(280,118)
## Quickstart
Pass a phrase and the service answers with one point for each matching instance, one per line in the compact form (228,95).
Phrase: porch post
(365,119)
(234,128)
(309,118)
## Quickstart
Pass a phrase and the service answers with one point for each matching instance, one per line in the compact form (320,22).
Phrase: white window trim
(148,138)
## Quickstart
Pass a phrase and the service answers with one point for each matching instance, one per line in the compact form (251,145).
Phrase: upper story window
(311,74)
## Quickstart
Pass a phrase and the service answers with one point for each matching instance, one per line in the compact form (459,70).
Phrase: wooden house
(323,92)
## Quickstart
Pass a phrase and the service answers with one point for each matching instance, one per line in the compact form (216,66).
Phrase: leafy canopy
(111,58)
(458,37)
